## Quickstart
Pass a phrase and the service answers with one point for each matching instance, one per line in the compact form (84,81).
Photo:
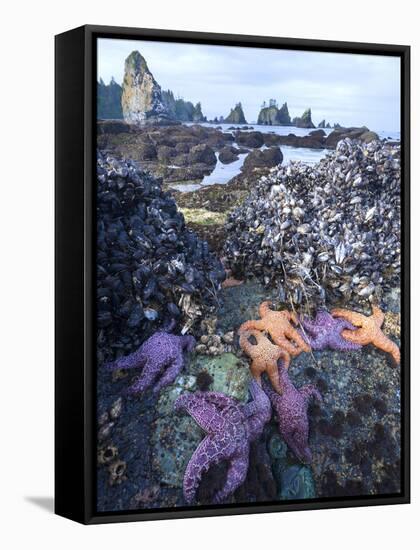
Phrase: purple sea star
(161,354)
(291,408)
(230,429)
(325,332)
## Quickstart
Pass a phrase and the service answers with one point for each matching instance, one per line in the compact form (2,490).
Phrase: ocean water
(223,173)
(285,130)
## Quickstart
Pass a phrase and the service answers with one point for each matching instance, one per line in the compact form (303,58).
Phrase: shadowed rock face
(272,115)
(236,115)
(305,121)
(266,158)
(142,100)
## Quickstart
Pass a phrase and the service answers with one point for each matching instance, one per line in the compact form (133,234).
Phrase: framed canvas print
(232,274)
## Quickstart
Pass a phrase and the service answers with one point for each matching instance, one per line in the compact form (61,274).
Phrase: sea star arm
(188,342)
(258,411)
(308,325)
(273,375)
(378,315)
(170,373)
(203,412)
(358,336)
(353,317)
(235,476)
(344,324)
(315,342)
(309,391)
(280,340)
(245,344)
(199,463)
(292,316)
(273,396)
(264,308)
(219,399)
(145,380)
(385,344)
(259,399)
(296,339)
(133,361)
(343,344)
(253,324)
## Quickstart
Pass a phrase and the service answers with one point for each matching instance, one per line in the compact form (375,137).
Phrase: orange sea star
(369,331)
(264,357)
(279,326)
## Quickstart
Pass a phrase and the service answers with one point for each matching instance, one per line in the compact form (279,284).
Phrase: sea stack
(273,116)
(305,121)
(236,115)
(142,101)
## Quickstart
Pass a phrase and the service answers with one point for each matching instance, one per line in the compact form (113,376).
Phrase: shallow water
(223,173)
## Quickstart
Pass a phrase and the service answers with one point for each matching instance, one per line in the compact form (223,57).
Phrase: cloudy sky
(350,89)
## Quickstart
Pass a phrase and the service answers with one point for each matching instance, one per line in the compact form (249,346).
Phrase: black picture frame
(75,401)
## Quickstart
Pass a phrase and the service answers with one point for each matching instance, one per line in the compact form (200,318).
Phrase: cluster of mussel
(329,229)
(152,270)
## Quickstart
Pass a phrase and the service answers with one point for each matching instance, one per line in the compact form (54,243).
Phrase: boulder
(165,153)
(112,127)
(369,136)
(271,139)
(253,140)
(202,154)
(147,151)
(318,133)
(312,142)
(182,147)
(228,155)
(267,158)
(341,133)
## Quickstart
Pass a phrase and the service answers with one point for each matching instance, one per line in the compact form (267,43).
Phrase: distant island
(141,100)
(236,115)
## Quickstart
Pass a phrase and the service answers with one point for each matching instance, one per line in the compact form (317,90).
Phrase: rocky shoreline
(160,267)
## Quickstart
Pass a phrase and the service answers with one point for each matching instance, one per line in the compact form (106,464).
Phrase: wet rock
(165,153)
(267,158)
(202,154)
(297,483)
(271,139)
(228,155)
(357,427)
(341,133)
(317,133)
(112,127)
(367,137)
(147,151)
(253,140)
(230,374)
